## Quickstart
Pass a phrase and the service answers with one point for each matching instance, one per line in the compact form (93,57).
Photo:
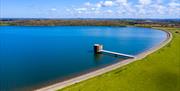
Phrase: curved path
(83,77)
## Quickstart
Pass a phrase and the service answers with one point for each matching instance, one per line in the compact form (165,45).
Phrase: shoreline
(111,67)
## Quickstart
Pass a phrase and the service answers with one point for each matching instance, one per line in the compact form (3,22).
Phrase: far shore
(91,22)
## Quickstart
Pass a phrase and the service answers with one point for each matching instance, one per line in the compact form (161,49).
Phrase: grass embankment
(159,71)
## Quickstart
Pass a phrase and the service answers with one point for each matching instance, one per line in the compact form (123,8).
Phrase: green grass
(3,24)
(159,71)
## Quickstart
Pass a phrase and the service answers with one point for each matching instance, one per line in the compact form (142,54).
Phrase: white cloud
(174,8)
(97,12)
(145,8)
(159,1)
(81,9)
(107,3)
(160,9)
(121,1)
(93,8)
(109,11)
(87,4)
(174,4)
(68,10)
(98,5)
(145,2)
(79,12)
(53,9)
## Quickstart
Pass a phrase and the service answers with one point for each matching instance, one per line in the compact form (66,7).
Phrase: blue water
(34,56)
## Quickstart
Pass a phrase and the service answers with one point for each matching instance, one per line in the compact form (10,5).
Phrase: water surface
(31,56)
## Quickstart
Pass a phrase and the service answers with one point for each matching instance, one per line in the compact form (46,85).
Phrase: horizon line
(91,18)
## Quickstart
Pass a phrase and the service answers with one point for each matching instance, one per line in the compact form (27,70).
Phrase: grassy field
(159,71)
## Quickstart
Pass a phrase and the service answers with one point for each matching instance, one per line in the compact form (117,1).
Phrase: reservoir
(35,56)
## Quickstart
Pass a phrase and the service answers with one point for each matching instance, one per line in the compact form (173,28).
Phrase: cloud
(68,10)
(174,4)
(53,9)
(174,8)
(126,8)
(98,5)
(81,9)
(87,4)
(158,8)
(159,1)
(144,2)
(124,2)
(93,8)
(107,3)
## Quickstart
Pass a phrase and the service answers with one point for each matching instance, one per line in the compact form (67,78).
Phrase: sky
(89,8)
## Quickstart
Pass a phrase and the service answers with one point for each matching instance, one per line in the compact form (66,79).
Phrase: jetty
(98,48)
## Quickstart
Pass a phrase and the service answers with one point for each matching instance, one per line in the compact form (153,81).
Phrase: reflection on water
(97,57)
